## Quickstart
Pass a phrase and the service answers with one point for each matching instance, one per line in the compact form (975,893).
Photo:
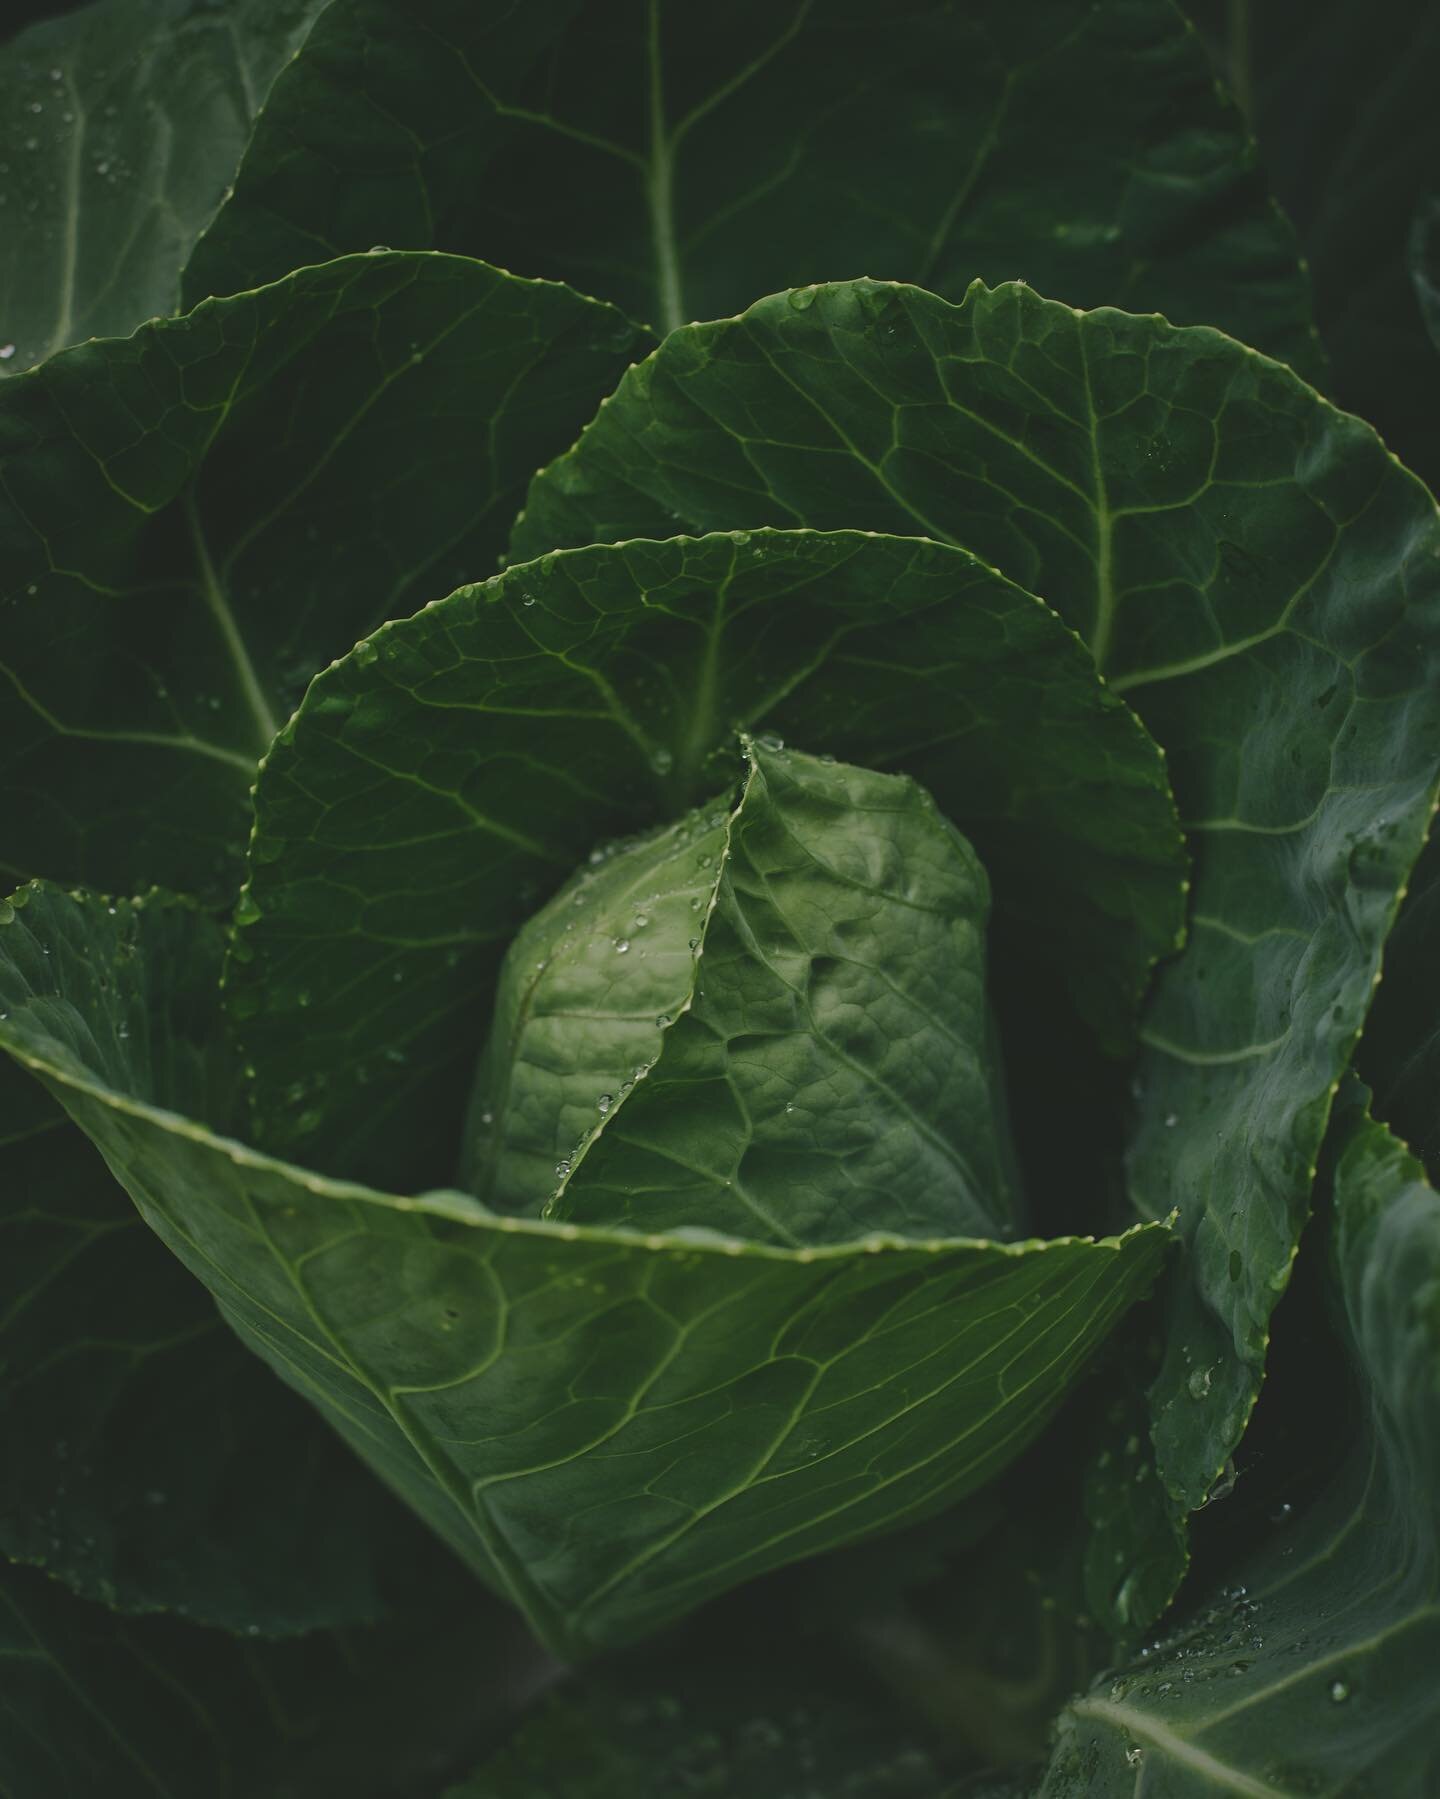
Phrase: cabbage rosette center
(640,898)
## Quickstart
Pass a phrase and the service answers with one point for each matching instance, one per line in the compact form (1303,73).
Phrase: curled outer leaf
(608,1427)
(1314,1670)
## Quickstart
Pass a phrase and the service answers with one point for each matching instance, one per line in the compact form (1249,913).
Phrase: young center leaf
(823,1065)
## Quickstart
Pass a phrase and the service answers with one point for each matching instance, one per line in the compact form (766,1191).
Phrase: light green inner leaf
(832,1070)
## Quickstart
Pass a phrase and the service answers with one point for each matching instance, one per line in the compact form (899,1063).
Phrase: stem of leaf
(219,605)
(661,190)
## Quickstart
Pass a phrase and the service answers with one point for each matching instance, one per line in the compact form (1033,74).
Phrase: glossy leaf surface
(1314,1670)
(829,1068)
(609,1427)
(1252,572)
(121,127)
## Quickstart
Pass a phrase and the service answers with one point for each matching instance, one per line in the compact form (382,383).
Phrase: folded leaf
(1314,1671)
(609,1427)
(681,160)
(437,783)
(195,519)
(1254,573)
(827,1068)
(121,127)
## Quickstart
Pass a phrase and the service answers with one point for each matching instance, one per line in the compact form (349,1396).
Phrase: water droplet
(604,1103)
(246,912)
(622,946)
(663,1022)
(529,600)
(1134,1757)
(379,249)
(1171,1120)
(1199,1383)
(6,352)
(802,298)
(365,652)
(1339,1692)
(662,761)
(740,536)
(770,740)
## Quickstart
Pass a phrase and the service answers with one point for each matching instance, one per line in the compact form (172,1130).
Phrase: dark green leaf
(150,1461)
(193,520)
(779,1719)
(681,159)
(1342,99)
(824,1064)
(441,779)
(1252,571)
(1314,1671)
(150,1708)
(121,127)
(610,1428)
